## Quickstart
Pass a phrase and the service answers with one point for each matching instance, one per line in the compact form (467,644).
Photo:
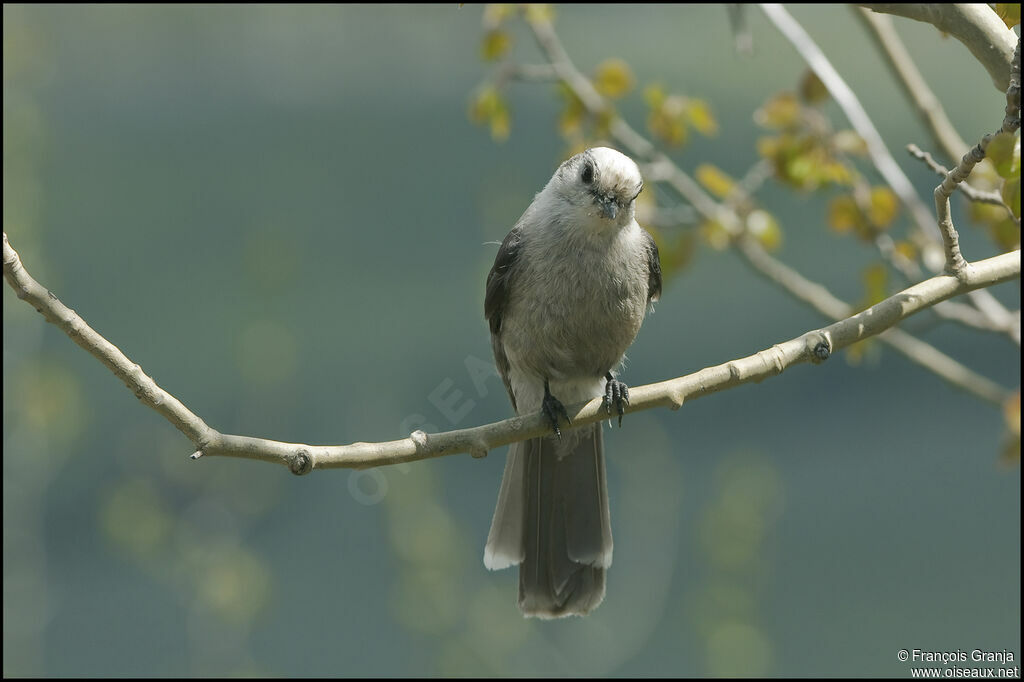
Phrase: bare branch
(1011,122)
(814,346)
(537,73)
(131,374)
(917,351)
(974,25)
(955,262)
(928,107)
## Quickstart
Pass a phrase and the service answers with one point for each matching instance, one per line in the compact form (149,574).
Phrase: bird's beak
(608,206)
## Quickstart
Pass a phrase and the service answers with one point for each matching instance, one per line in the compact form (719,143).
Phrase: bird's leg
(552,407)
(615,393)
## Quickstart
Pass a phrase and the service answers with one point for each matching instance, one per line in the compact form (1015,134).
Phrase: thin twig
(973,193)
(1011,121)
(743,39)
(955,262)
(814,346)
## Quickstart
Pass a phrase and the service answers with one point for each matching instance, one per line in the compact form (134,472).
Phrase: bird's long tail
(552,518)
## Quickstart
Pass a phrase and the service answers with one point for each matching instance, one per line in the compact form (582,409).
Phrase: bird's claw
(616,393)
(552,408)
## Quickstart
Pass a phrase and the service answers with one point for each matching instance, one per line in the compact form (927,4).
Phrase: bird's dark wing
(496,299)
(653,269)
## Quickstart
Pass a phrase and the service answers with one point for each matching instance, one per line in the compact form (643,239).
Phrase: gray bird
(568,291)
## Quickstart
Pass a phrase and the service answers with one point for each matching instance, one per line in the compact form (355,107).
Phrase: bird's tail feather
(552,518)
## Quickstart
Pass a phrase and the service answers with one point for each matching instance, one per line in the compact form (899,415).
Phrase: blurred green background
(284,215)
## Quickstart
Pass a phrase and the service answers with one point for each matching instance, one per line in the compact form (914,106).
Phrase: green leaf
(1004,152)
(613,78)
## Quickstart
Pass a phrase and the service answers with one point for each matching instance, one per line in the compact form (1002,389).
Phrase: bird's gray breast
(577,302)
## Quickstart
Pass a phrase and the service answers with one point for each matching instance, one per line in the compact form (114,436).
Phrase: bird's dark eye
(587,176)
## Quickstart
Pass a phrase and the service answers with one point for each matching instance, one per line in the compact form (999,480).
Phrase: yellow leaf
(1011,412)
(1011,195)
(1009,12)
(489,107)
(812,90)
(666,121)
(495,44)
(768,147)
(875,277)
(715,180)
(835,171)
(603,123)
(884,206)
(571,118)
(501,125)
(654,95)
(484,104)
(781,111)
(613,78)
(843,214)
(698,113)
(907,250)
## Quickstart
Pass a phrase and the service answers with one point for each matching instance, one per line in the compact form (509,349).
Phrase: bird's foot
(616,394)
(552,408)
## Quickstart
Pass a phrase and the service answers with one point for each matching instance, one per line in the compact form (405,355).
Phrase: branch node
(419,438)
(677,398)
(822,350)
(734,372)
(478,453)
(196,455)
(301,463)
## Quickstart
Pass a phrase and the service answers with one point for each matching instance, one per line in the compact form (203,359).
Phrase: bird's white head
(599,187)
